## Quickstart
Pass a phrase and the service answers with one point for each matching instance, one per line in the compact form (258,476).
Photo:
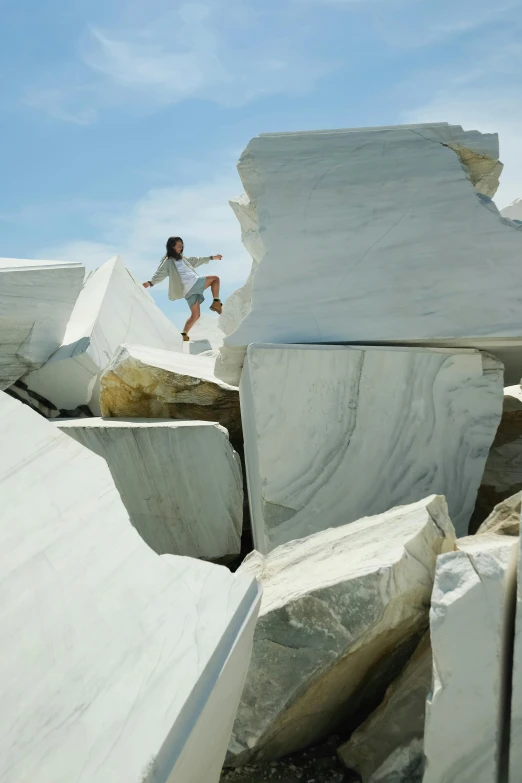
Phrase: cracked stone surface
(342,611)
(334,433)
(180,481)
(152,384)
(390,743)
(470,625)
(407,244)
(36,301)
(118,664)
(112,308)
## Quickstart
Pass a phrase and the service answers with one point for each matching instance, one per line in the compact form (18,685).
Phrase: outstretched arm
(159,275)
(197,261)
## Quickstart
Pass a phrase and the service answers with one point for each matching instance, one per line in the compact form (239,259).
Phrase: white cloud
(200,213)
(217,51)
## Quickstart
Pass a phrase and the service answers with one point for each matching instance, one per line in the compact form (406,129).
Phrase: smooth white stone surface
(515,749)
(470,623)
(338,611)
(112,308)
(113,657)
(333,433)
(379,235)
(180,481)
(207,328)
(36,301)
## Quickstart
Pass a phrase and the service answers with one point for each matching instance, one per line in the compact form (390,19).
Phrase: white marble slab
(180,481)
(470,623)
(378,235)
(36,301)
(336,433)
(118,665)
(113,307)
(341,611)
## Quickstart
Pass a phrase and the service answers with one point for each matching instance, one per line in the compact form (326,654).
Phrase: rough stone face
(112,308)
(391,210)
(470,623)
(504,520)
(118,664)
(515,739)
(237,306)
(333,433)
(152,384)
(181,482)
(503,471)
(340,611)
(513,211)
(36,301)
(388,739)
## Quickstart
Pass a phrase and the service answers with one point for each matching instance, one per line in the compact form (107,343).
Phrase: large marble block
(36,301)
(471,636)
(342,611)
(150,383)
(118,665)
(333,433)
(180,481)
(112,308)
(377,235)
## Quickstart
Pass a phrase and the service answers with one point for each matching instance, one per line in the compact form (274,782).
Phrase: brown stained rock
(150,383)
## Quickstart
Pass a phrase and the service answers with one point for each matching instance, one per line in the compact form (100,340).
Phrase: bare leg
(194,316)
(213,284)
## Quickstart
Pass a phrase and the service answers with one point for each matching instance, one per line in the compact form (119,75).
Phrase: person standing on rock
(185,282)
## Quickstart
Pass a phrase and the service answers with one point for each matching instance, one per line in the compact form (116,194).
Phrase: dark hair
(171,243)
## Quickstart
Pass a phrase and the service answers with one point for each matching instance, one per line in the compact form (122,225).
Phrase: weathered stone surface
(112,308)
(389,211)
(338,610)
(237,306)
(513,211)
(118,664)
(387,740)
(471,624)
(327,441)
(502,476)
(181,482)
(36,301)
(504,520)
(152,384)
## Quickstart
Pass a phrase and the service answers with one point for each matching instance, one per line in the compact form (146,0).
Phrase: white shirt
(187,274)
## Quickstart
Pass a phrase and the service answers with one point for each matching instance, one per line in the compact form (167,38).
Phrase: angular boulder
(471,636)
(36,301)
(391,740)
(180,481)
(334,433)
(502,476)
(112,308)
(504,520)
(391,210)
(342,610)
(118,664)
(148,383)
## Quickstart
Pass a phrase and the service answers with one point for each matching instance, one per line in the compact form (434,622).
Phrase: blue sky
(121,121)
